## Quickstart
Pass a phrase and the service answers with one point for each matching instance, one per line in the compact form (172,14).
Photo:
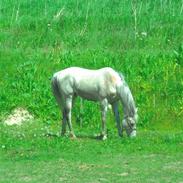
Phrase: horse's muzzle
(133,134)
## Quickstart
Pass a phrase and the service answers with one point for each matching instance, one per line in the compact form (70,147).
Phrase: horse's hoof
(101,136)
(72,136)
(120,135)
(62,134)
(104,137)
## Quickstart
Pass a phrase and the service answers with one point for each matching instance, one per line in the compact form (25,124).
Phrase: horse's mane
(121,76)
(128,98)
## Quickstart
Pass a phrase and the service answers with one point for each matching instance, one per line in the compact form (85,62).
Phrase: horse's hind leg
(64,122)
(68,108)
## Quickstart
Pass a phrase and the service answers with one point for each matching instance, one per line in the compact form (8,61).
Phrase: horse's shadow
(79,136)
(91,137)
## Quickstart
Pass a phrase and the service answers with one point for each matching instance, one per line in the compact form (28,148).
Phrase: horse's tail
(55,89)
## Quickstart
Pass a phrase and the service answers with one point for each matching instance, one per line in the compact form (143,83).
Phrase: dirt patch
(124,174)
(18,116)
(26,179)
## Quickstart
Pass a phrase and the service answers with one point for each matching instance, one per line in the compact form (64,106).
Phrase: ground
(33,153)
(141,39)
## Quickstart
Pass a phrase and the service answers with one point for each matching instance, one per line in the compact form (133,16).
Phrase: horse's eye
(132,124)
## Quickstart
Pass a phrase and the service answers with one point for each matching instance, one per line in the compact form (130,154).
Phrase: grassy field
(141,39)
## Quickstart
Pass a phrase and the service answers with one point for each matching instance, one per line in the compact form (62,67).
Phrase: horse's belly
(87,88)
(91,94)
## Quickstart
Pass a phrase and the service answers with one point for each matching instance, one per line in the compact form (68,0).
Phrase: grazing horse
(103,85)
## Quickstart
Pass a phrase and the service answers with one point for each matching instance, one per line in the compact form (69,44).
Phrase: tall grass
(142,39)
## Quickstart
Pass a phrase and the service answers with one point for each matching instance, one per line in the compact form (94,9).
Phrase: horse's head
(129,124)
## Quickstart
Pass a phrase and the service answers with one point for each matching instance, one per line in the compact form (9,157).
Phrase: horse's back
(105,75)
(81,72)
(88,83)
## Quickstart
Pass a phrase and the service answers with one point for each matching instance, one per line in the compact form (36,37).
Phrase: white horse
(104,85)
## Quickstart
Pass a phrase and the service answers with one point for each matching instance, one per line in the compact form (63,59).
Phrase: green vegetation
(142,39)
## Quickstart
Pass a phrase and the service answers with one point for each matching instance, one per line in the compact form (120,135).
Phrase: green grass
(34,153)
(36,41)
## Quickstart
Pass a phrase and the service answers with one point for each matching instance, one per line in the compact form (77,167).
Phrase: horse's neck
(127,101)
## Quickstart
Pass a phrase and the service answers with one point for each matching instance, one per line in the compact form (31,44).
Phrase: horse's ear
(136,115)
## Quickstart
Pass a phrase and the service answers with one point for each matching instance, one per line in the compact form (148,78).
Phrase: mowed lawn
(98,167)
(32,154)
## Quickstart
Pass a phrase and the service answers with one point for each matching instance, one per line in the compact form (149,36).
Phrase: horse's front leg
(117,118)
(104,107)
